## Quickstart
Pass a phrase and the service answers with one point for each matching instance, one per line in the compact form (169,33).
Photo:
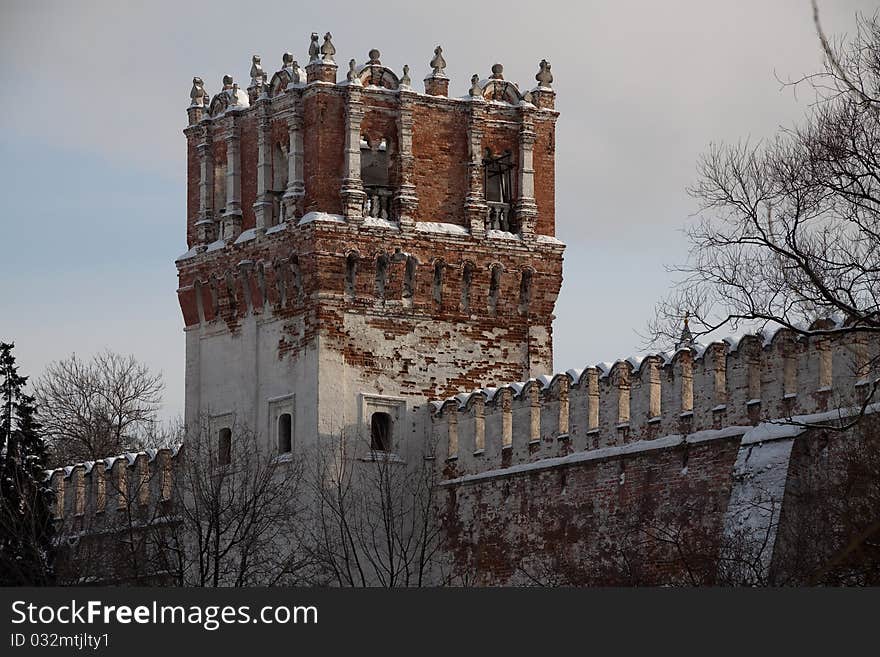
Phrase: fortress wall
(725,384)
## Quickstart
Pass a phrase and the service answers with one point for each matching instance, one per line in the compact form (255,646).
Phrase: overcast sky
(92,157)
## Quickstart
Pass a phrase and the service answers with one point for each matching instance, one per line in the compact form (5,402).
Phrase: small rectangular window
(224,447)
(285,434)
(380,432)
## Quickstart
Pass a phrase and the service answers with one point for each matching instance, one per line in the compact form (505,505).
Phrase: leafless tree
(97,407)
(238,511)
(374,521)
(830,526)
(789,228)
(221,519)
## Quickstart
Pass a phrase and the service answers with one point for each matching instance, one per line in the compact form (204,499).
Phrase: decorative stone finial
(287,60)
(258,75)
(298,75)
(544,76)
(313,48)
(352,75)
(197,95)
(497,72)
(373,56)
(686,340)
(327,50)
(405,81)
(438,64)
(227,82)
(475,90)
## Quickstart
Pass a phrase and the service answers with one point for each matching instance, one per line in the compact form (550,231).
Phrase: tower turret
(357,247)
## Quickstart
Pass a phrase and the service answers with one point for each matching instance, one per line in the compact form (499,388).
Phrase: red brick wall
(323,151)
(193,173)
(599,522)
(544,163)
(441,154)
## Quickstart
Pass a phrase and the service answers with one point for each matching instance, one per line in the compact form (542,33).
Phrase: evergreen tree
(26,529)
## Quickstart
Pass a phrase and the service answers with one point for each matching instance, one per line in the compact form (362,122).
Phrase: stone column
(352,191)
(296,189)
(206,229)
(232,217)
(406,199)
(526,209)
(475,202)
(263,204)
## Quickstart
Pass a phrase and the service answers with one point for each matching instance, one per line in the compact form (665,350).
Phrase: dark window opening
(525,292)
(351,264)
(285,438)
(296,275)
(467,275)
(494,285)
(409,280)
(376,178)
(230,292)
(380,432)
(438,282)
(224,447)
(381,276)
(498,182)
(280,167)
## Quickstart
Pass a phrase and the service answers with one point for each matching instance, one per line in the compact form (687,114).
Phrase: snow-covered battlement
(732,382)
(113,484)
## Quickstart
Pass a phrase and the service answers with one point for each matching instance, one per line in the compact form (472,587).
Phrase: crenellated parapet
(94,493)
(741,382)
(321,258)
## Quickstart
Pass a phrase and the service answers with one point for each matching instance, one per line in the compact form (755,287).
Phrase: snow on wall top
(731,344)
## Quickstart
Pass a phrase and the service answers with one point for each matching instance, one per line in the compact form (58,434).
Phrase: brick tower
(357,247)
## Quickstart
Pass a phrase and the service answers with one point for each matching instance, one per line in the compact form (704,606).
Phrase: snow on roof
(192,253)
(549,239)
(151,453)
(246,235)
(277,228)
(321,217)
(501,235)
(438,227)
(378,222)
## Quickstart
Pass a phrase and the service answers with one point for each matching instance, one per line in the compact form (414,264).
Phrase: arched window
(351,265)
(467,274)
(279,180)
(296,276)
(224,446)
(525,291)
(380,432)
(285,434)
(438,281)
(381,275)
(494,285)
(409,280)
